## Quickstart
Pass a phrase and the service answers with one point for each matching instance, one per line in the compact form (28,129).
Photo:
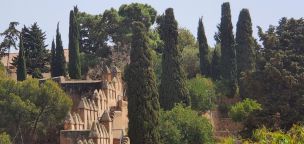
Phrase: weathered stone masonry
(99,112)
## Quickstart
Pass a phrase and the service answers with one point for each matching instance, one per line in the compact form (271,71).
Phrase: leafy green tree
(53,59)
(91,33)
(173,85)
(143,107)
(228,53)
(74,66)
(202,92)
(185,39)
(203,49)
(10,39)
(241,110)
(137,12)
(277,82)
(190,63)
(181,125)
(107,37)
(60,68)
(216,63)
(21,67)
(29,108)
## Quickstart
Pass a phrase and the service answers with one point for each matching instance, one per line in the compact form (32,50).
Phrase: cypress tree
(60,60)
(228,53)
(173,86)
(245,45)
(53,59)
(21,67)
(74,59)
(142,92)
(216,63)
(203,49)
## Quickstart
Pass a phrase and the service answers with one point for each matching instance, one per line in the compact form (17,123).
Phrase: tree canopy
(30,110)
(181,125)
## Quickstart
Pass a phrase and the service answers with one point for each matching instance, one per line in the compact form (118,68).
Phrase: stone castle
(99,114)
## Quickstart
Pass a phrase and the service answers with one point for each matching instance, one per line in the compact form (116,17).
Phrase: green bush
(202,92)
(266,136)
(190,62)
(181,125)
(241,110)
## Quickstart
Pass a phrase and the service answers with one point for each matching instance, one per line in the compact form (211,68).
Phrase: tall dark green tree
(53,59)
(228,53)
(277,83)
(245,46)
(203,49)
(74,58)
(35,52)
(21,67)
(216,63)
(173,86)
(142,92)
(60,59)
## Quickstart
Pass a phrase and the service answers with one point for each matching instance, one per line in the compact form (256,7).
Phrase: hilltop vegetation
(171,77)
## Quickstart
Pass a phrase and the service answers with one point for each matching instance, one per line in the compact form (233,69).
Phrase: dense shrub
(202,92)
(181,125)
(241,110)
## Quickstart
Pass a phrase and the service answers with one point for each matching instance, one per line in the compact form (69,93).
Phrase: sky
(187,12)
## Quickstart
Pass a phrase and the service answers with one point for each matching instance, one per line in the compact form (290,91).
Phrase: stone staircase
(224,126)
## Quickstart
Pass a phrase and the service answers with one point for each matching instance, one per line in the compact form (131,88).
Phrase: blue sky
(187,12)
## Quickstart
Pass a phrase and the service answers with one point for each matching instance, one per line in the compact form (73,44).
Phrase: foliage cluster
(241,110)
(277,83)
(202,93)
(181,125)
(266,136)
(30,110)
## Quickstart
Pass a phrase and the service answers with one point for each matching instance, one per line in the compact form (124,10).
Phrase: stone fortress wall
(99,114)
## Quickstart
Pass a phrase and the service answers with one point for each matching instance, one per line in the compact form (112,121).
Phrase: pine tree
(245,45)
(21,67)
(36,54)
(203,49)
(228,53)
(53,59)
(173,86)
(142,92)
(60,59)
(74,57)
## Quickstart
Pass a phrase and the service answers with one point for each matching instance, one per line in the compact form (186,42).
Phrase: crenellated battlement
(99,108)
